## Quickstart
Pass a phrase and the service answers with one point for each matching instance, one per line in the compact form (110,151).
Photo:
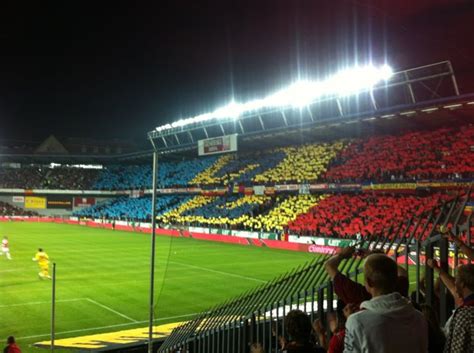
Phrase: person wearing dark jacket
(299,329)
(436,337)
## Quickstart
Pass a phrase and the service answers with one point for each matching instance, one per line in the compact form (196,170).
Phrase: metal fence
(258,315)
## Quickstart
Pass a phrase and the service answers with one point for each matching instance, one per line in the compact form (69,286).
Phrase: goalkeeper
(43,262)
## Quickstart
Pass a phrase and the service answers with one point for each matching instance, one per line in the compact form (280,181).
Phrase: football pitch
(103,279)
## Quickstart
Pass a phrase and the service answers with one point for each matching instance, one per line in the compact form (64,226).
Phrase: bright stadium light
(299,94)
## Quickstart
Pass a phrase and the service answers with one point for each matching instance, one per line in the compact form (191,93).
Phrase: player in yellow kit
(43,262)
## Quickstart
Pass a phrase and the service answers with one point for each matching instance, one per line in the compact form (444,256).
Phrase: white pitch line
(219,272)
(110,309)
(44,302)
(14,270)
(104,327)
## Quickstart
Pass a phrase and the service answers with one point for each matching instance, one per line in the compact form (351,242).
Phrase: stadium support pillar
(152,257)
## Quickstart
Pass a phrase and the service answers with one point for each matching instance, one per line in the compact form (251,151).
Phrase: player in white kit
(6,248)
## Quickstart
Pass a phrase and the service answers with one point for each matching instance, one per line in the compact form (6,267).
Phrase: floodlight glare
(299,94)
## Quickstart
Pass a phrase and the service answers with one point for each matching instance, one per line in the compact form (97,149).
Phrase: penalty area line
(104,327)
(111,310)
(14,269)
(43,302)
(219,272)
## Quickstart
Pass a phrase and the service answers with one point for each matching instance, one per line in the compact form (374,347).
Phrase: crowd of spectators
(21,178)
(301,164)
(242,168)
(378,317)
(336,216)
(9,210)
(284,211)
(179,174)
(64,178)
(136,209)
(365,215)
(124,178)
(207,177)
(445,153)
(226,212)
(68,178)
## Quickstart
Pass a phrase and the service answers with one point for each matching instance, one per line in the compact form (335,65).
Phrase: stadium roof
(405,93)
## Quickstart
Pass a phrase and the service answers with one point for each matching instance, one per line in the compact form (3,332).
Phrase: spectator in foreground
(11,346)
(389,323)
(351,292)
(336,323)
(460,337)
(299,330)
(436,337)
(463,247)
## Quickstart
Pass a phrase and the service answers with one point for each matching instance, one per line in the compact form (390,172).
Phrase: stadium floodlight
(299,94)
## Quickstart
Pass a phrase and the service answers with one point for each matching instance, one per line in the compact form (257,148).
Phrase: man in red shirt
(11,346)
(351,292)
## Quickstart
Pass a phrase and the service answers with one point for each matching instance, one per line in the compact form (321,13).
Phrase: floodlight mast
(153,245)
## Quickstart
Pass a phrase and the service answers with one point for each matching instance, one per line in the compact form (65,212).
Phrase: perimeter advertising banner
(18,199)
(59,202)
(84,201)
(35,202)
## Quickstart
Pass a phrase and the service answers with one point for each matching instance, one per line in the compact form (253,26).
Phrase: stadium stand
(48,178)
(136,209)
(207,175)
(241,168)
(9,210)
(25,178)
(301,164)
(445,153)
(261,317)
(124,178)
(181,174)
(69,178)
(360,215)
(170,174)
(285,210)
(228,211)
(437,155)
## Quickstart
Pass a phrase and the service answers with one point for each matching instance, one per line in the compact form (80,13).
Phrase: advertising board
(35,202)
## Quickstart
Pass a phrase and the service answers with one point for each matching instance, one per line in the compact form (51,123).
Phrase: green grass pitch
(103,279)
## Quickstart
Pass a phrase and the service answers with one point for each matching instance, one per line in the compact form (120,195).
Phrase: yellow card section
(103,340)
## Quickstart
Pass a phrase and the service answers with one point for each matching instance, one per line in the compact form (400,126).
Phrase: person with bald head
(387,323)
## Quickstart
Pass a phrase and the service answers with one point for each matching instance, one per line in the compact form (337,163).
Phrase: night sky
(118,69)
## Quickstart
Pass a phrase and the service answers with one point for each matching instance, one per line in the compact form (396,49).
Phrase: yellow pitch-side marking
(103,340)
